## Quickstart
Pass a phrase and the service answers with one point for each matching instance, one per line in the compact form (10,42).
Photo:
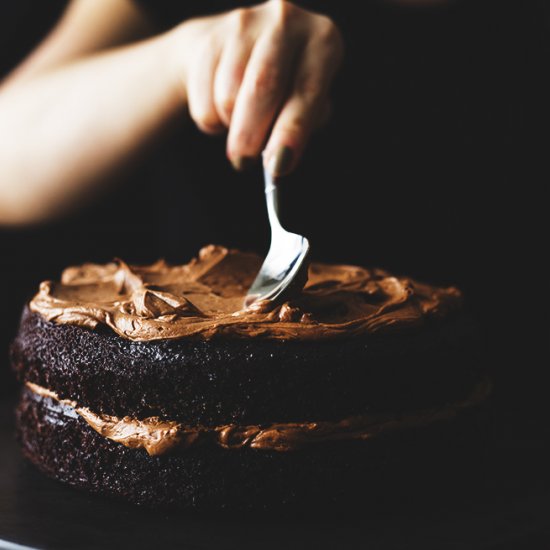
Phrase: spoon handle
(272,200)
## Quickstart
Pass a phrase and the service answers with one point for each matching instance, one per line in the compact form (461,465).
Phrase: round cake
(156,384)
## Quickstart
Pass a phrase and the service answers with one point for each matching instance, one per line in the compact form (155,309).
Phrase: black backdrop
(434,165)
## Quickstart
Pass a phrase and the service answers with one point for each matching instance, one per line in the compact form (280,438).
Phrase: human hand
(264,73)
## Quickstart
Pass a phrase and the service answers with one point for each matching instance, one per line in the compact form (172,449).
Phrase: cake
(156,385)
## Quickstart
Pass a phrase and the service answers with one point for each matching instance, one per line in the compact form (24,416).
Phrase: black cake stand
(506,509)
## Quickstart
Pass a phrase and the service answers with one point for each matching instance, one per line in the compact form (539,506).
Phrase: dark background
(434,165)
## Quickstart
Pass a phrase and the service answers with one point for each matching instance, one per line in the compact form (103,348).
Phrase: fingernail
(243,163)
(281,162)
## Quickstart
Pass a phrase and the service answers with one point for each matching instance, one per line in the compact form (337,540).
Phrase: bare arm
(77,109)
(85,28)
(64,130)
(65,118)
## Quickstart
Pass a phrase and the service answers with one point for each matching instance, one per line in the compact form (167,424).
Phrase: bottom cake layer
(60,442)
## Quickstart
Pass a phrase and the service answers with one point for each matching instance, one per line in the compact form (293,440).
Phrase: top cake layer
(205,298)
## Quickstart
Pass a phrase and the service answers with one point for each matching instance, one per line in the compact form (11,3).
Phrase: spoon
(285,266)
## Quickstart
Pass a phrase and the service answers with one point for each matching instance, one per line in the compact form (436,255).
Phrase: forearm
(62,132)
(263,73)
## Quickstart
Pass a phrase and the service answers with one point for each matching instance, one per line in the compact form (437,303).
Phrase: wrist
(176,45)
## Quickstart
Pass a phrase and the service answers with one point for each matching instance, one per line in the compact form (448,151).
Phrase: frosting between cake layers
(205,298)
(159,436)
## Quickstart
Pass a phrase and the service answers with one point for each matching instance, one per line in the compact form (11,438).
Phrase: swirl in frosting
(205,298)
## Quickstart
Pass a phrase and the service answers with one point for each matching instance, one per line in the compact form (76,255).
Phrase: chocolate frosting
(158,436)
(205,298)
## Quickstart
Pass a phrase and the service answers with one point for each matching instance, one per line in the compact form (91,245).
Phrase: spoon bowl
(285,266)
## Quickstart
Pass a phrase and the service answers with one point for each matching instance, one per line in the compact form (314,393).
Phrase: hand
(262,72)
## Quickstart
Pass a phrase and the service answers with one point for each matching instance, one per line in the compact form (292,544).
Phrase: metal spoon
(286,262)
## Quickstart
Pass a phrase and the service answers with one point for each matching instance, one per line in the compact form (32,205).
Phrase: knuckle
(205,119)
(265,81)
(243,140)
(203,50)
(240,19)
(293,128)
(328,32)
(212,130)
(225,106)
(284,13)
(310,87)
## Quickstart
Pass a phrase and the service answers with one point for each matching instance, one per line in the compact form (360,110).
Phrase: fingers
(265,73)
(200,89)
(265,83)
(233,61)
(307,105)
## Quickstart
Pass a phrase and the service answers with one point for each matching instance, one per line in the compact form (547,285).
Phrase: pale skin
(96,91)
(101,86)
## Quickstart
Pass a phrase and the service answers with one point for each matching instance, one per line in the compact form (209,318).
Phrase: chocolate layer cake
(157,385)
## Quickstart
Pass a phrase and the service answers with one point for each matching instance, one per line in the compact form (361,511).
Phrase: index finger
(304,107)
(262,90)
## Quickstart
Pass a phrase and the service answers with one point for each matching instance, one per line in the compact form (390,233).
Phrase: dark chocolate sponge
(394,466)
(249,381)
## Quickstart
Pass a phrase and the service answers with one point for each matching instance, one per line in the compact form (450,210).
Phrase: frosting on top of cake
(205,298)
